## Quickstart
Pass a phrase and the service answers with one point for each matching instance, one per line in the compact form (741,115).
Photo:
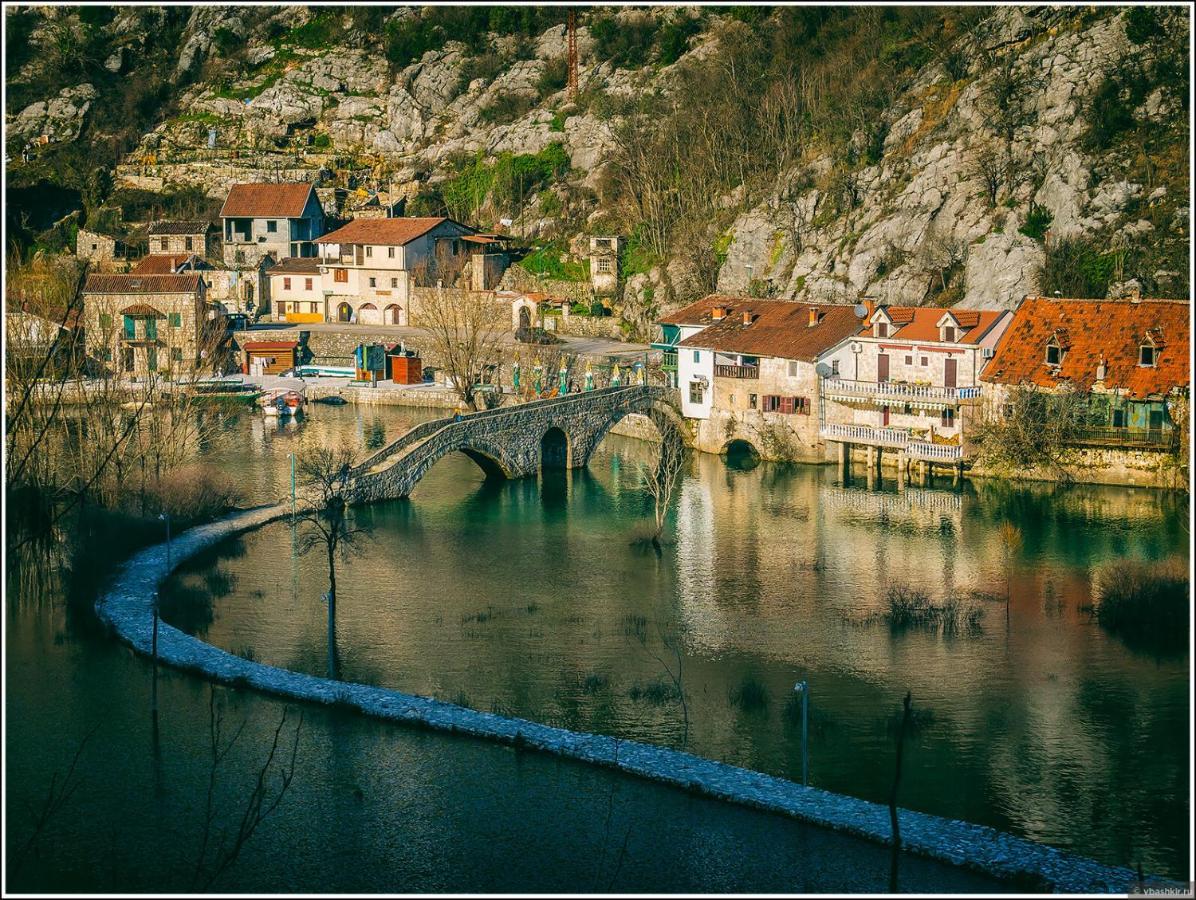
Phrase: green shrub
(547,263)
(674,38)
(1038,220)
(226,40)
(750,695)
(553,78)
(1142,24)
(627,43)
(1148,606)
(598,309)
(505,108)
(317,32)
(322,141)
(579,309)
(558,121)
(1075,268)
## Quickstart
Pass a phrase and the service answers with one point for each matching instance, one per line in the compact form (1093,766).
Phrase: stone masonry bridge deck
(511,441)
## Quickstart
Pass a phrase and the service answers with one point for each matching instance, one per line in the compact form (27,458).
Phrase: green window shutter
(151,359)
(130,328)
(151,329)
(176,320)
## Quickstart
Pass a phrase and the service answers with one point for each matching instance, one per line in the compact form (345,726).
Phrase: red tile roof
(1088,330)
(920,323)
(295,265)
(256,201)
(698,313)
(395,232)
(160,263)
(164,227)
(142,284)
(781,328)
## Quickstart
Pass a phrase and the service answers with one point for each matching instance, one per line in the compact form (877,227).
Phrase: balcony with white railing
(896,392)
(897,438)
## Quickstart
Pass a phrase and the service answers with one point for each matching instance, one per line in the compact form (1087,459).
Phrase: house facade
(909,379)
(276,220)
(1128,359)
(144,326)
(370,267)
(297,291)
(747,372)
(198,237)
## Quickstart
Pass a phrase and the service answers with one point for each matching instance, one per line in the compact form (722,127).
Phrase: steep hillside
(923,155)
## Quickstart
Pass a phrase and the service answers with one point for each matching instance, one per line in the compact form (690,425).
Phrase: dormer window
(880,329)
(1054,354)
(949,333)
(1148,355)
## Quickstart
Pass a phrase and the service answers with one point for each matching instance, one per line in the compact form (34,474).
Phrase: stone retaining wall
(127,607)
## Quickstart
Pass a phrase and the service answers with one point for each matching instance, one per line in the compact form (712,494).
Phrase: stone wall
(1102,465)
(585,326)
(517,278)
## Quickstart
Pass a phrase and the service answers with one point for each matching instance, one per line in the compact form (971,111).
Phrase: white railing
(865,434)
(927,450)
(896,390)
(892,437)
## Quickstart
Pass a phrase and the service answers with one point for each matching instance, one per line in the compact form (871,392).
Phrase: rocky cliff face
(987,175)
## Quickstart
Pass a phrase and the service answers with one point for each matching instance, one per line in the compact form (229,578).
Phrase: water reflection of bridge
(911,499)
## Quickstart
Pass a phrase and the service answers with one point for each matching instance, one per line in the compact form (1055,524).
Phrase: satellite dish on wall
(861,310)
(823,370)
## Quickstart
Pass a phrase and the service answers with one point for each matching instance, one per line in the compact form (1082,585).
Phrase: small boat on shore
(332,400)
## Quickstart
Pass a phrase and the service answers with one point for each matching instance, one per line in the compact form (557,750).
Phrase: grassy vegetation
(1038,220)
(1148,606)
(546,262)
(909,608)
(1075,267)
(750,695)
(502,183)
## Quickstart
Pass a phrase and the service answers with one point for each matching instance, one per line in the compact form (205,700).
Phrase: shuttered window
(786,405)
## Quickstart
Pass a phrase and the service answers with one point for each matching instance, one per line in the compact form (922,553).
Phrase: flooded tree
(661,481)
(323,515)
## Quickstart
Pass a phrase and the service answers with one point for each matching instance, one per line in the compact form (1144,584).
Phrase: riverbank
(127,608)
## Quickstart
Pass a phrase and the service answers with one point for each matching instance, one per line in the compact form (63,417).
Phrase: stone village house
(371,267)
(147,325)
(746,371)
(199,237)
(908,380)
(276,220)
(1129,358)
(297,291)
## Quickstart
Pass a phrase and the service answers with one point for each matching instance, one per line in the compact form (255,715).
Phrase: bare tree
(466,330)
(662,480)
(993,169)
(1032,429)
(323,514)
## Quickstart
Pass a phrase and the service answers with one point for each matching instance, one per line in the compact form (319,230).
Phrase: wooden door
(950,372)
(882,367)
(884,416)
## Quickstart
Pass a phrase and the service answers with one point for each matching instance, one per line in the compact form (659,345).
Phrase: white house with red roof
(908,380)
(369,267)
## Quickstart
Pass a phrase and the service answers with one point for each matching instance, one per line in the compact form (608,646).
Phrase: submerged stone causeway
(127,607)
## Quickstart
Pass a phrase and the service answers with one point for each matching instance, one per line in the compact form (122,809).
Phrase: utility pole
(571,27)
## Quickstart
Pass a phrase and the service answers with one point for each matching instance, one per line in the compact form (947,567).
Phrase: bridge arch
(666,419)
(740,453)
(555,448)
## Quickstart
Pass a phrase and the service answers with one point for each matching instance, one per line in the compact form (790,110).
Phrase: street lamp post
(803,688)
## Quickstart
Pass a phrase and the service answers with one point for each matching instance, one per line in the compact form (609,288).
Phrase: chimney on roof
(748,317)
(869,307)
(1136,294)
(815,316)
(1100,370)
(718,313)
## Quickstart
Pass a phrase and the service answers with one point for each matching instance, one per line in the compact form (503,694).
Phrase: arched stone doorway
(392,315)
(554,449)
(525,319)
(369,314)
(344,313)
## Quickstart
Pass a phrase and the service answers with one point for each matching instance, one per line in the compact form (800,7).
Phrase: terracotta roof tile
(395,232)
(142,309)
(197,227)
(142,284)
(1090,330)
(260,200)
(780,328)
(698,313)
(920,323)
(160,263)
(295,265)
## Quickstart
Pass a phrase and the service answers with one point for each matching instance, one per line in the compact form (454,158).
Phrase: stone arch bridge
(511,441)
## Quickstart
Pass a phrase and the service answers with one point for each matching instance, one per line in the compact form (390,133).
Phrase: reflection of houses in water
(696,560)
(910,500)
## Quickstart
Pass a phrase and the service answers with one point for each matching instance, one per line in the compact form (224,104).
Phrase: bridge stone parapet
(511,441)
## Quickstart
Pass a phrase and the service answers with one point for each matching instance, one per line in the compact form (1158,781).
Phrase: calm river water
(533,598)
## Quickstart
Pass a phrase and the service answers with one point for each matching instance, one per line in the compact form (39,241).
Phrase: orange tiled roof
(142,284)
(395,232)
(263,200)
(780,328)
(1088,330)
(920,323)
(160,263)
(296,265)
